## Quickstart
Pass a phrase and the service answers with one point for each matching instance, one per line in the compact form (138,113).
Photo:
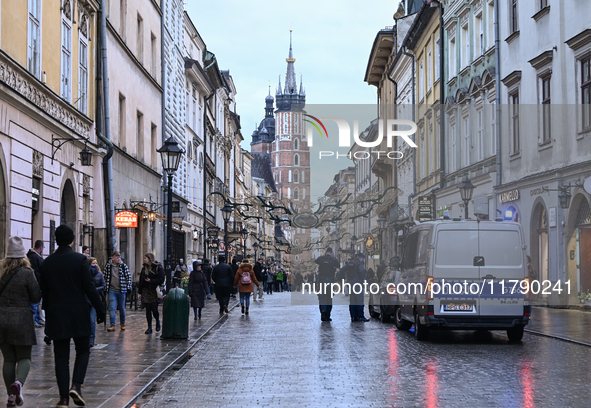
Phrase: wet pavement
(121,363)
(283,356)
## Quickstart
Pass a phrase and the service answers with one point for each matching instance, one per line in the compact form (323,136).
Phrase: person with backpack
(244,279)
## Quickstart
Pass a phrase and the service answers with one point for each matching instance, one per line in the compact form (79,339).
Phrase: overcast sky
(331,44)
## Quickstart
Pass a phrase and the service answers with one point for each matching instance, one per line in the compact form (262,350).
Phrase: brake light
(527,290)
(429,288)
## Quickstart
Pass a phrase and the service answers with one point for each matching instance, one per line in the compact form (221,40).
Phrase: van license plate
(458,308)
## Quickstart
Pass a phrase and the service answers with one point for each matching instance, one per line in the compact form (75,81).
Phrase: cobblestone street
(282,355)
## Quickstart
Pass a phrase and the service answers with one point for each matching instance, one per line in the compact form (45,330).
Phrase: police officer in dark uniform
(327,266)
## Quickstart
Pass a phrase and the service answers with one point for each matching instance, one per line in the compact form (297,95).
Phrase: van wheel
(515,333)
(384,318)
(373,314)
(421,331)
(399,322)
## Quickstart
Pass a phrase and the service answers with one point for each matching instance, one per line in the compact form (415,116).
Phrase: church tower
(290,155)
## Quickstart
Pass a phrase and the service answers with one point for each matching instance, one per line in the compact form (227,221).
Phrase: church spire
(279,87)
(290,78)
(302,92)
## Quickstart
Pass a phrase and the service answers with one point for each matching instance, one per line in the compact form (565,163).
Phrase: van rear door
(456,246)
(503,263)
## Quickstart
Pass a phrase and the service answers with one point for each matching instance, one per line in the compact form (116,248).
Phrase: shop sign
(369,241)
(538,191)
(508,196)
(126,219)
(425,208)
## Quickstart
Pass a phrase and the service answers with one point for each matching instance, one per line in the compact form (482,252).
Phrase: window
(194,117)
(513,16)
(546,109)
(122,121)
(83,77)
(188,107)
(303,195)
(421,81)
(452,58)
(289,176)
(34,39)
(429,68)
(296,144)
(542,4)
(493,128)
(66,59)
(153,54)
(453,158)
(514,102)
(437,57)
(586,91)
(466,142)
(122,15)
(296,160)
(303,176)
(466,44)
(140,39)
(296,194)
(276,160)
(422,157)
(490,18)
(154,140)
(296,177)
(288,192)
(431,157)
(139,136)
(478,35)
(480,120)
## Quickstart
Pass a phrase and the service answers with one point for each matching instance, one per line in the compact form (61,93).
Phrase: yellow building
(423,42)
(47,94)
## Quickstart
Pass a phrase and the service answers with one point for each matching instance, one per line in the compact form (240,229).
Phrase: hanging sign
(126,219)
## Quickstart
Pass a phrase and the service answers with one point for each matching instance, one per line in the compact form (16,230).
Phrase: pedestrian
(99,282)
(327,266)
(280,280)
(258,273)
(118,281)
(86,251)
(235,267)
(151,276)
(180,272)
(197,289)
(381,268)
(18,290)
(66,283)
(356,274)
(299,280)
(206,268)
(35,258)
(223,278)
(269,283)
(244,279)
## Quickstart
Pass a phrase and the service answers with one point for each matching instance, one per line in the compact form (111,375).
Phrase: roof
(261,168)
(378,57)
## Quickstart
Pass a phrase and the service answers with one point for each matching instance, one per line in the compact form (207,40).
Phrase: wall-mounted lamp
(58,142)
(564,196)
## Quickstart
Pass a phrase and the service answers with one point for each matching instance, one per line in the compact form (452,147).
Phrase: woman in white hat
(18,289)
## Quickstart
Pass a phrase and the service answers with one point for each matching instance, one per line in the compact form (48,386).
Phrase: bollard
(175,315)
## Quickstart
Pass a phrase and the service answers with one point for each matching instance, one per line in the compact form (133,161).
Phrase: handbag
(159,291)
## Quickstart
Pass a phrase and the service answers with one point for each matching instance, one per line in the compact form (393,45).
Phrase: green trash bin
(175,315)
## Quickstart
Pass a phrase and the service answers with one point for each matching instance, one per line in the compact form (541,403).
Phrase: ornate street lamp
(381,226)
(353,241)
(466,189)
(226,213)
(564,197)
(170,154)
(244,234)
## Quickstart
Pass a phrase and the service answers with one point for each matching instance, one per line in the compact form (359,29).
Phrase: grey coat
(16,317)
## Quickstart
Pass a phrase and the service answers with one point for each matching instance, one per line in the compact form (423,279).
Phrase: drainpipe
(107,162)
(414,154)
(441,101)
(167,266)
(498,97)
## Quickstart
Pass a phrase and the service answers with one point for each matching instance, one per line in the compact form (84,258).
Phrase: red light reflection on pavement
(526,378)
(393,367)
(431,384)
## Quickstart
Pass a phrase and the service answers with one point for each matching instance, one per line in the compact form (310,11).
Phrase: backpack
(245,278)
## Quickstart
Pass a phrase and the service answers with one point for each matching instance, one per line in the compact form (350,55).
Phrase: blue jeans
(35,310)
(245,298)
(116,302)
(92,324)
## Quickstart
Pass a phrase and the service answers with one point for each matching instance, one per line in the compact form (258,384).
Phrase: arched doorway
(583,226)
(539,241)
(68,206)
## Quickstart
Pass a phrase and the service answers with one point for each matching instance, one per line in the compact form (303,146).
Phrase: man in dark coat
(327,266)
(223,278)
(35,258)
(357,275)
(65,284)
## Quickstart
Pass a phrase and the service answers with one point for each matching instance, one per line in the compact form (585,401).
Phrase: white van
(471,274)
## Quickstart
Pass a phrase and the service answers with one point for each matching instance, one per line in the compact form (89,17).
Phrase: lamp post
(466,189)
(382,226)
(244,234)
(226,212)
(170,154)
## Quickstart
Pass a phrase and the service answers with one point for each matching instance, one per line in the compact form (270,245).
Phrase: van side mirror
(395,262)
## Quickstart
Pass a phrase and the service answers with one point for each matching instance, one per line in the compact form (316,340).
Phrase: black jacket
(327,266)
(36,260)
(222,275)
(155,273)
(65,283)
(258,271)
(207,271)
